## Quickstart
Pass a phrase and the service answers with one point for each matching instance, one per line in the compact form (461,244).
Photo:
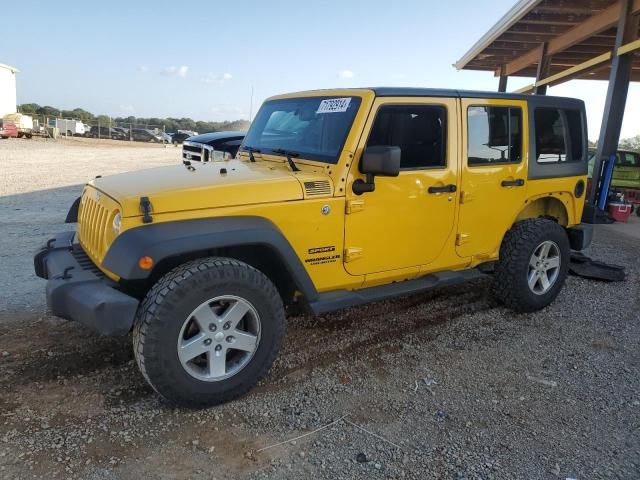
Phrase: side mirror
(383,161)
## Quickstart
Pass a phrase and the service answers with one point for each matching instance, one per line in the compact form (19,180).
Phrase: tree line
(632,143)
(169,124)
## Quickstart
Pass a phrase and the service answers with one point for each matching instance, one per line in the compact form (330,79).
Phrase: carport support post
(502,84)
(616,97)
(544,69)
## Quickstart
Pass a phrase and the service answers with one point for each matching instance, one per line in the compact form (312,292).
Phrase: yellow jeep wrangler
(336,198)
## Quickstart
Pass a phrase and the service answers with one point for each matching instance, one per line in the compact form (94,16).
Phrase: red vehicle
(8,129)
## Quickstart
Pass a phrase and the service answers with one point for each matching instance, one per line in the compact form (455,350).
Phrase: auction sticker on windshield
(334,105)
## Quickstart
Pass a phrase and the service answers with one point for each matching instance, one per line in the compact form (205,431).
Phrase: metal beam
(589,28)
(544,67)
(619,78)
(502,83)
(572,72)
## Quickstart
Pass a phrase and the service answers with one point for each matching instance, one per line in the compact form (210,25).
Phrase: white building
(7,89)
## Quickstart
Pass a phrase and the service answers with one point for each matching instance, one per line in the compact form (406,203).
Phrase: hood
(176,188)
(214,138)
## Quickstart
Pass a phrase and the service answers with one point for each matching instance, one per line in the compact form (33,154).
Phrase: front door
(406,221)
(494,173)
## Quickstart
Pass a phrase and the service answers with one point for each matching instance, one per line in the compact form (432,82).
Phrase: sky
(202,59)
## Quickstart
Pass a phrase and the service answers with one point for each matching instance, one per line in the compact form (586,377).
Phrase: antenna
(251,104)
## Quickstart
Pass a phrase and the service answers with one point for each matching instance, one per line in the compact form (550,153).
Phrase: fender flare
(167,239)
(72,215)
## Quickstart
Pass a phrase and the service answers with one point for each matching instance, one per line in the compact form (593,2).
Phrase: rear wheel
(533,265)
(208,331)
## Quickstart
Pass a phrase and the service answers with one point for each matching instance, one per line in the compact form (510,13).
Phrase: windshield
(314,127)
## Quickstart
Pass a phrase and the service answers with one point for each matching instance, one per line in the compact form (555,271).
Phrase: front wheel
(208,331)
(533,265)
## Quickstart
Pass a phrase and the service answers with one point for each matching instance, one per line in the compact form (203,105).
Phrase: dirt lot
(440,385)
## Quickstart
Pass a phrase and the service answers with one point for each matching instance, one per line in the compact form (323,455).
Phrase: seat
(422,146)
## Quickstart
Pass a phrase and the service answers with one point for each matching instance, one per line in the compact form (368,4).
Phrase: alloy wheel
(219,338)
(544,267)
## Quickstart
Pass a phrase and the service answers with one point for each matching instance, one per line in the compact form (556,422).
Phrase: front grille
(194,152)
(322,187)
(191,148)
(85,262)
(93,221)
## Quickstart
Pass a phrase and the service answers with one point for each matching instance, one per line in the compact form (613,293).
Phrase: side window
(494,135)
(558,135)
(419,130)
(628,159)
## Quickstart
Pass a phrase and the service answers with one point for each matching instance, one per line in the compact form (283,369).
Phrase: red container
(620,211)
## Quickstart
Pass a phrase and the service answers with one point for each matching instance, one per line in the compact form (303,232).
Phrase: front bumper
(77,290)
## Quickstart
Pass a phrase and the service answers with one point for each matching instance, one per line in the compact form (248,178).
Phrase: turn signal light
(145,263)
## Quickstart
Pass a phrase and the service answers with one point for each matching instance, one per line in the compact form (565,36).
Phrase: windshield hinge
(354,206)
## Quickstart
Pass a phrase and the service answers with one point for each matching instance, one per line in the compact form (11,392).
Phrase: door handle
(513,183)
(445,189)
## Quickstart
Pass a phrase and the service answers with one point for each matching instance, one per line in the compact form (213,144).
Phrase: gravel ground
(440,385)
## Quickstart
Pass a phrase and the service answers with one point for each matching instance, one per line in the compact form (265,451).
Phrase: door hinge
(354,206)
(466,197)
(352,253)
(462,238)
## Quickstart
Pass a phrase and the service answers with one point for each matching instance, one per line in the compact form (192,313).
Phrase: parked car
(626,169)
(164,137)
(336,198)
(179,137)
(145,135)
(123,131)
(8,129)
(212,146)
(106,132)
(24,123)
(70,127)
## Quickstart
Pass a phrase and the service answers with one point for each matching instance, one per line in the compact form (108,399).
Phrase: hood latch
(146,208)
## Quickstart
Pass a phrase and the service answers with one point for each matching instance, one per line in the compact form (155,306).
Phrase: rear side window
(494,135)
(628,159)
(558,135)
(419,131)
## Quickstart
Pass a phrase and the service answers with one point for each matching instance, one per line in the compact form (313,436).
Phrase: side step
(339,299)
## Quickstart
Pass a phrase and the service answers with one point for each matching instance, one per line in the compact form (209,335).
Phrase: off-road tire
(169,303)
(510,278)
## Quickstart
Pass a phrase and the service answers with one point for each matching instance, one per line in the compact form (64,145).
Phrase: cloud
(143,68)
(346,74)
(217,78)
(127,108)
(174,71)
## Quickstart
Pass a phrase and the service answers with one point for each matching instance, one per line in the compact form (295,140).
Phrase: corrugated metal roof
(9,67)
(510,18)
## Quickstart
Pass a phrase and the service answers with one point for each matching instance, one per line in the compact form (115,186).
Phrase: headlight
(117,220)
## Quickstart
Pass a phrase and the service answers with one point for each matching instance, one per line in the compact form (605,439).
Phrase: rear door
(494,172)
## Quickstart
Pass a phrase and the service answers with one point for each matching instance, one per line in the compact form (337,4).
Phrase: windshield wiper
(251,150)
(288,154)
